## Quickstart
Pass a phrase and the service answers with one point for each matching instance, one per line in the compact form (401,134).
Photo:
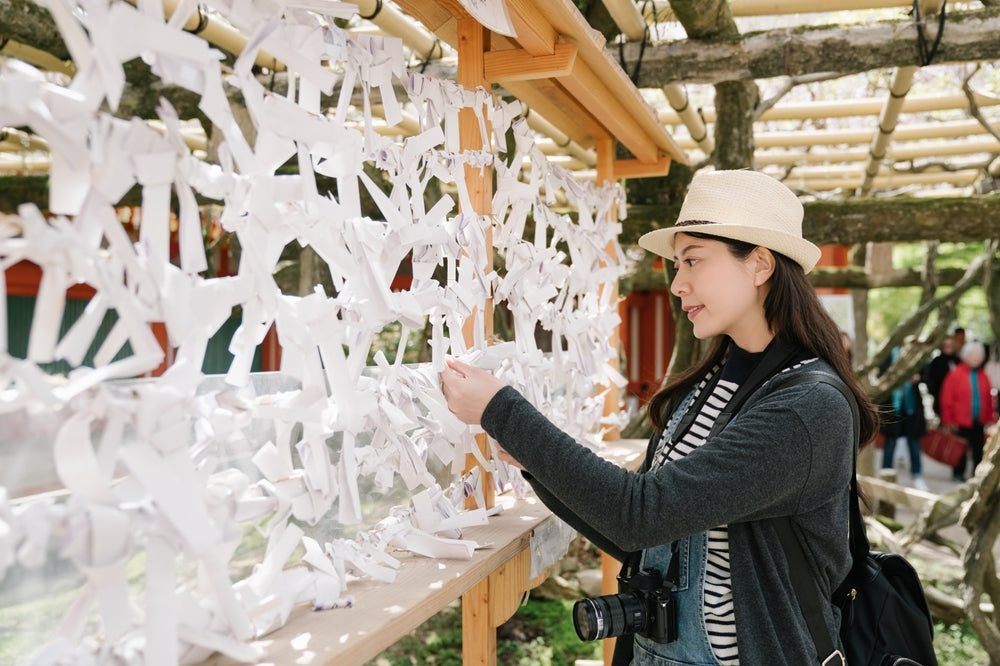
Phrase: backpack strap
(798,569)
(777,357)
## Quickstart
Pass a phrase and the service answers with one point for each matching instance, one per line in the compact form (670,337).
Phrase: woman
(904,418)
(967,404)
(706,500)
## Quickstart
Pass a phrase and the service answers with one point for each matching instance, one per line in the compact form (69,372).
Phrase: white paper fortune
(173,474)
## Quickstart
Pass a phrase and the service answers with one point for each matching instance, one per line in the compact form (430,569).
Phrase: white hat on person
(741,205)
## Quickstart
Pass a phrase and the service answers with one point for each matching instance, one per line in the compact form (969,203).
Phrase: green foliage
(958,645)
(539,634)
(888,306)
(388,343)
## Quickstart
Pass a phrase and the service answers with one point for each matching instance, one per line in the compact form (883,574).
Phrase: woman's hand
(507,458)
(468,390)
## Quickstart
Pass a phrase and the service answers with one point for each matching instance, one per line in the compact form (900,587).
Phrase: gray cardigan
(789,452)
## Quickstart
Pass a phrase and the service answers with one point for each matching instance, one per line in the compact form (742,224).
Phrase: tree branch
(969,36)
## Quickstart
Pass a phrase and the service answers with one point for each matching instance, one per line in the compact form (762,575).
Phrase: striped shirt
(720,620)
(718,609)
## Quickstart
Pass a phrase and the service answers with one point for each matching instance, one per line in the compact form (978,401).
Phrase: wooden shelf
(491,585)
(384,612)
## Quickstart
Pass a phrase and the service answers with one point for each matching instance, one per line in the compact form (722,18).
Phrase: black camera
(642,606)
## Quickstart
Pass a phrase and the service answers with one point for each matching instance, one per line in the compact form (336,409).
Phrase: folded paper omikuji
(177,473)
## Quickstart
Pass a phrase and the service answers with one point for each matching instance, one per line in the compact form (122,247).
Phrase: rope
(634,76)
(202,22)
(378,8)
(927,55)
(430,54)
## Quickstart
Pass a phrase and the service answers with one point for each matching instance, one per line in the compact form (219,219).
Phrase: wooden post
(490,603)
(606,174)
(473,42)
(479,636)
(612,402)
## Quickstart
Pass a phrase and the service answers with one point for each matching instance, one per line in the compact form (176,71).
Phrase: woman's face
(720,293)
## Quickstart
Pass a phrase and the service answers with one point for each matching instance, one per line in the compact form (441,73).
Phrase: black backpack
(884,615)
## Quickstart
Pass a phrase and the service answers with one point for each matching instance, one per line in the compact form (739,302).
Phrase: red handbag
(943,446)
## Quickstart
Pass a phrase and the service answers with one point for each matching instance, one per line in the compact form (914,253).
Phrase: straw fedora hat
(742,205)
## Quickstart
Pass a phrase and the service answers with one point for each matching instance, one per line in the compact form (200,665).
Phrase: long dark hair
(797,318)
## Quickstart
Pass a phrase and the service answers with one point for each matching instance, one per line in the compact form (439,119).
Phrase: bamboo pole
(826,179)
(22,165)
(778,7)
(388,18)
(678,98)
(869,106)
(915,151)
(542,126)
(40,59)
(12,139)
(786,139)
(629,19)
(895,180)
(888,119)
(218,32)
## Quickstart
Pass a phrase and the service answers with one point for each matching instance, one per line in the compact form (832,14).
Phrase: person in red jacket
(967,405)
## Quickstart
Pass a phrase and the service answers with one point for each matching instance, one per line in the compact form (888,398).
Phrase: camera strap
(777,356)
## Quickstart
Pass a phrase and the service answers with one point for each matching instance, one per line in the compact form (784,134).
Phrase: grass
(958,645)
(541,634)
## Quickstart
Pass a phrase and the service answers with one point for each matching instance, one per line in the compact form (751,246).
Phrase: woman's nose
(678,285)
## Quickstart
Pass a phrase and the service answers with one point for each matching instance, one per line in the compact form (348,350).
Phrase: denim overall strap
(675,420)
(693,647)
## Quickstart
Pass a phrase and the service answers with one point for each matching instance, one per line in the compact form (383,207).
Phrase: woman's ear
(763,265)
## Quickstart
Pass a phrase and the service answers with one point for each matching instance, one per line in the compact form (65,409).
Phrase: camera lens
(610,615)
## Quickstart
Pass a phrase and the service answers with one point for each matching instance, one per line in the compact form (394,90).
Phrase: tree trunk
(991,286)
(735,102)
(982,521)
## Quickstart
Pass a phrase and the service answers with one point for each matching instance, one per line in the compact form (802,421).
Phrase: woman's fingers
(468,390)
(507,458)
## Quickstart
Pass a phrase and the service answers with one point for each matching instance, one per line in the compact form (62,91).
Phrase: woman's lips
(693,310)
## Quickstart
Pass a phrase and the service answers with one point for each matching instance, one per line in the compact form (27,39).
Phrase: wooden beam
(554,104)
(534,33)
(638,169)
(434,15)
(895,494)
(587,87)
(521,65)
(507,586)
